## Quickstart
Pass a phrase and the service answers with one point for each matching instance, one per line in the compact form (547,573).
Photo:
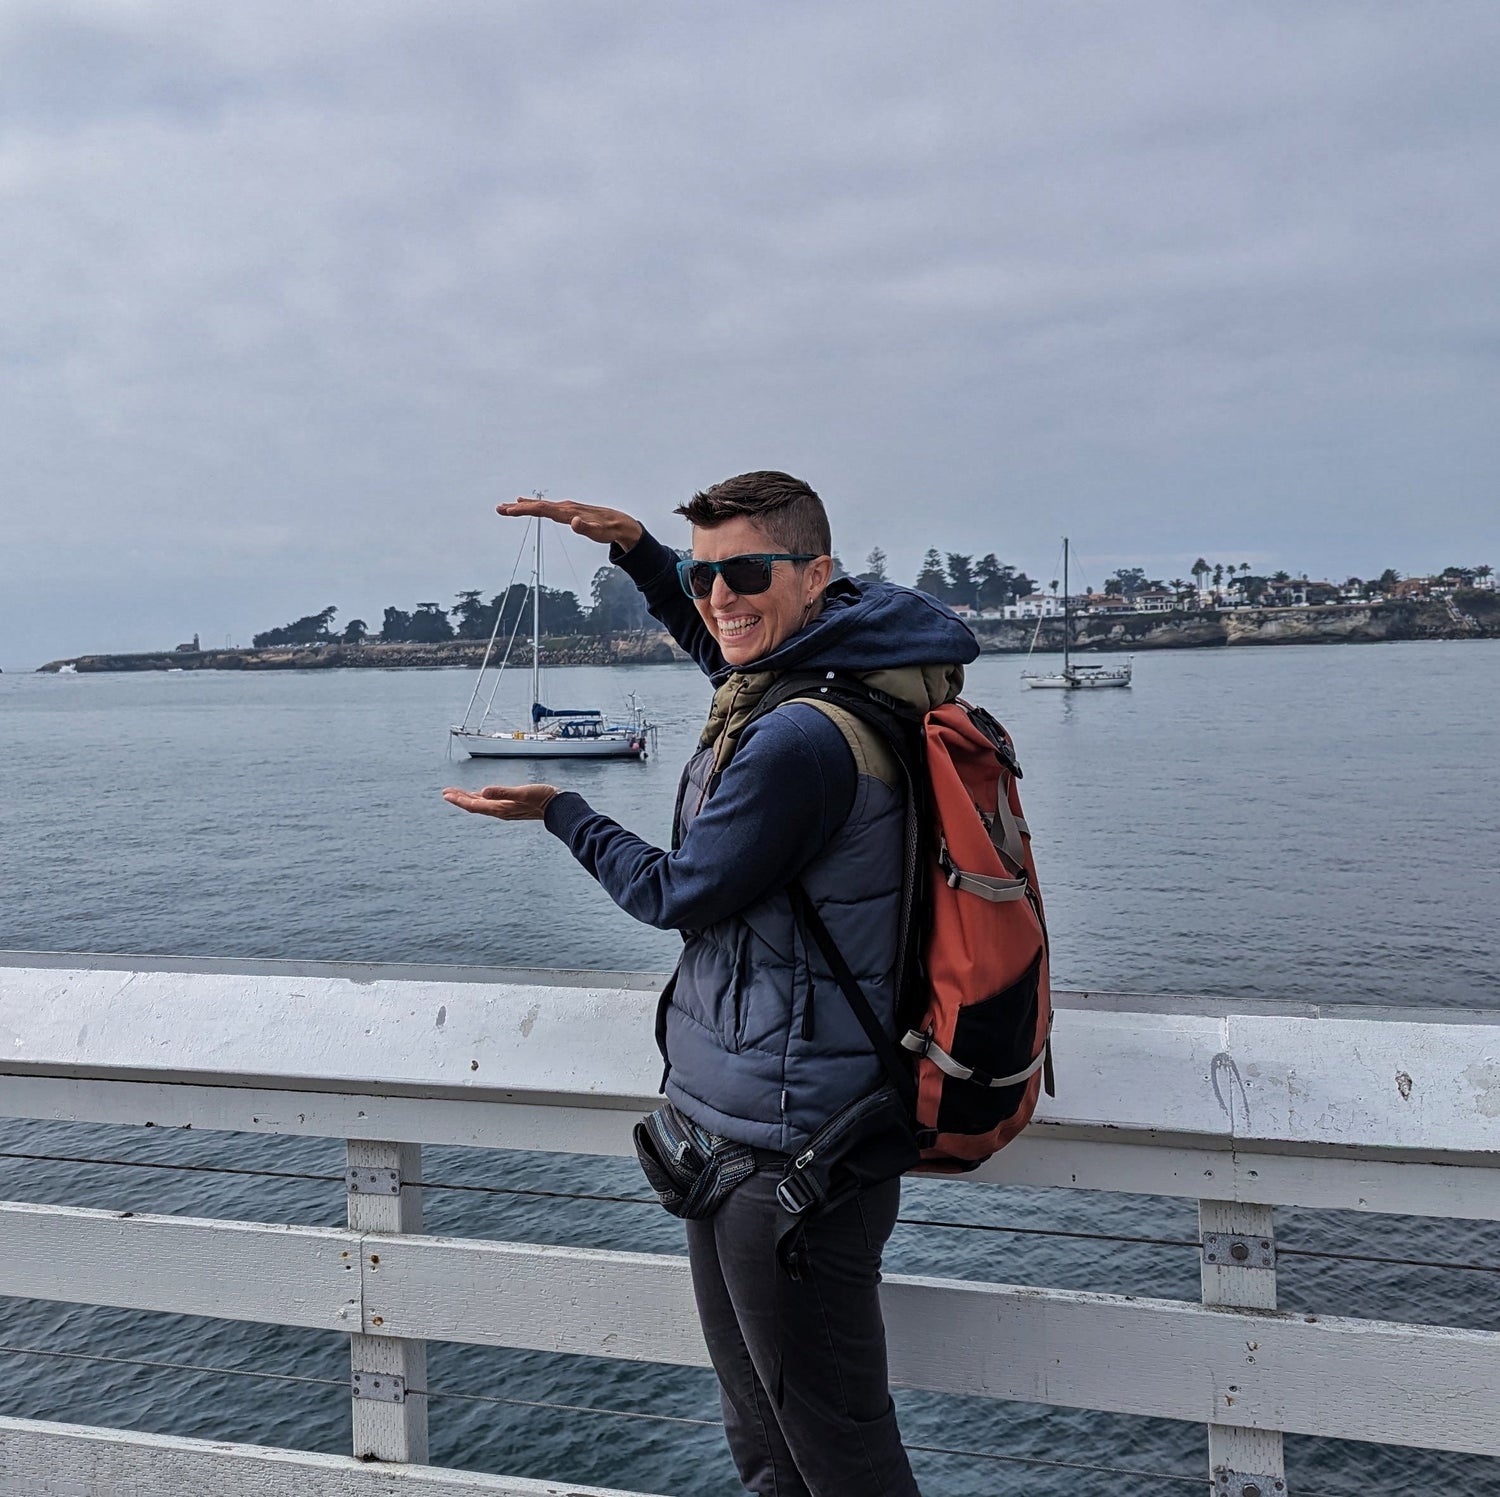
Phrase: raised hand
(507,802)
(609,526)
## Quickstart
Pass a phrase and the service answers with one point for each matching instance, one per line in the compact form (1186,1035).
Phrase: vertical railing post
(389,1374)
(1239,1269)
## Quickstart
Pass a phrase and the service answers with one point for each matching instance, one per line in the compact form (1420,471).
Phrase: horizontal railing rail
(1238,1106)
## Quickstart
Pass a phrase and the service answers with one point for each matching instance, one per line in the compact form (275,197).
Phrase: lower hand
(508,802)
(611,526)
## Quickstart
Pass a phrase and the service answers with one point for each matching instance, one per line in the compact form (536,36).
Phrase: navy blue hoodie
(792,779)
(747,1058)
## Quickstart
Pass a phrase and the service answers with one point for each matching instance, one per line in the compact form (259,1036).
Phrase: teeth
(737,626)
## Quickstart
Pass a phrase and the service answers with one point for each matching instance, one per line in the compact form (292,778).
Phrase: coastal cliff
(649,649)
(1469,614)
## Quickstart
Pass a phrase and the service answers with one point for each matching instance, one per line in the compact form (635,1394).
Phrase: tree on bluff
(512,608)
(961,586)
(429,625)
(1127,581)
(619,607)
(475,618)
(999,584)
(932,579)
(311,629)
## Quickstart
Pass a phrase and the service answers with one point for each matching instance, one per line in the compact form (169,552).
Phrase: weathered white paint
(1330,1077)
(276,1275)
(585,1301)
(488,1124)
(72,1460)
(426,1038)
(1048,1154)
(387,1431)
(1241,1106)
(1349,1379)
(1351,1179)
(1233,1447)
(1277,1371)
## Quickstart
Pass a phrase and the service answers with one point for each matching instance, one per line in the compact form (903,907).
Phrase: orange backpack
(983,1046)
(975,1006)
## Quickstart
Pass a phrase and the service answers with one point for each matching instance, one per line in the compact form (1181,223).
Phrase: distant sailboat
(1071,677)
(553,732)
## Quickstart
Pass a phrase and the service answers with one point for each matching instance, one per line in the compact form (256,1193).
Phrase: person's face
(750,627)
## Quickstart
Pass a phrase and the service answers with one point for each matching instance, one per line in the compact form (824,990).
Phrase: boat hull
(1081,681)
(541,746)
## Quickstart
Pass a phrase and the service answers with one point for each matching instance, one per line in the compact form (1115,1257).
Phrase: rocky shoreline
(649,649)
(1468,615)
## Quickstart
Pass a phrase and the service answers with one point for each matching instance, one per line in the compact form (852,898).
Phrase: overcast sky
(291,294)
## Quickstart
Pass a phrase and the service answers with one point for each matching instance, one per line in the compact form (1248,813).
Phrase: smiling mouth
(736,628)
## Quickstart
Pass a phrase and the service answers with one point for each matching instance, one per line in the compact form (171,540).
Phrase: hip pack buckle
(797,1192)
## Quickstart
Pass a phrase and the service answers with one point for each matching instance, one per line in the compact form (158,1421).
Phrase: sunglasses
(742,574)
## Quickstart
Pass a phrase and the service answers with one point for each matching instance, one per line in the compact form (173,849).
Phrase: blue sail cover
(539,712)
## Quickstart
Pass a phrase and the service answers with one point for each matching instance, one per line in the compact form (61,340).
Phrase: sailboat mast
(536,621)
(1067,610)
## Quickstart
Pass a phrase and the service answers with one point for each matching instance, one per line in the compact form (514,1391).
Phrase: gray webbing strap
(996,890)
(1008,844)
(921,1044)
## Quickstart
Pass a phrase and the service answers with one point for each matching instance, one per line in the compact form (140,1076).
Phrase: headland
(1467,615)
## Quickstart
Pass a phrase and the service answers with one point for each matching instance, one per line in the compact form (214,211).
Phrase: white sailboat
(553,732)
(1089,676)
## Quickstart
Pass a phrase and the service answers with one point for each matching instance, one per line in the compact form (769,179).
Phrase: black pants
(821,1338)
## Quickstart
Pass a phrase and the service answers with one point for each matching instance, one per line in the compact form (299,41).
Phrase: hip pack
(974,1014)
(690,1169)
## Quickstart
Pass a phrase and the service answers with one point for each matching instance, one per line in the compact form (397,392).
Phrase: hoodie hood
(870,626)
(896,639)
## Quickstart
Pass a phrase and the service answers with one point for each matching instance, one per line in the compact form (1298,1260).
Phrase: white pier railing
(1240,1107)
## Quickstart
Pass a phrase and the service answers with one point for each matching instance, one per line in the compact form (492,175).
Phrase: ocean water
(1318,823)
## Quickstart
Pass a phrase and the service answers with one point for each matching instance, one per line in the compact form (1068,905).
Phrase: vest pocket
(744,974)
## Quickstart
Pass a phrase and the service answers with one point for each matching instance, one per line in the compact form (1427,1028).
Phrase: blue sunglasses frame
(688,566)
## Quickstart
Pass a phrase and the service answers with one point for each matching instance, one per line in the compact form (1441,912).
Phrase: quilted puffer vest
(761,1044)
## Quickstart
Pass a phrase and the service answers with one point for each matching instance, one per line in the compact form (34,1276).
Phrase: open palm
(608,526)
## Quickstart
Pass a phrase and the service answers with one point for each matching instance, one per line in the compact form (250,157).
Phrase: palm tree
(1200,570)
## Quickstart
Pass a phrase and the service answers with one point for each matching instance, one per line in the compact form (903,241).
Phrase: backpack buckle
(951,874)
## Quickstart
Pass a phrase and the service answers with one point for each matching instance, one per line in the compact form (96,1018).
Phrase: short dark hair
(787,509)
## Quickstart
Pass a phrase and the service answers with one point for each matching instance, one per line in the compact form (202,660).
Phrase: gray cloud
(289,295)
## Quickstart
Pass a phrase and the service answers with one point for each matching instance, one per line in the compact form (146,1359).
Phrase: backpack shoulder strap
(895,1065)
(873,755)
(879,730)
(890,735)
